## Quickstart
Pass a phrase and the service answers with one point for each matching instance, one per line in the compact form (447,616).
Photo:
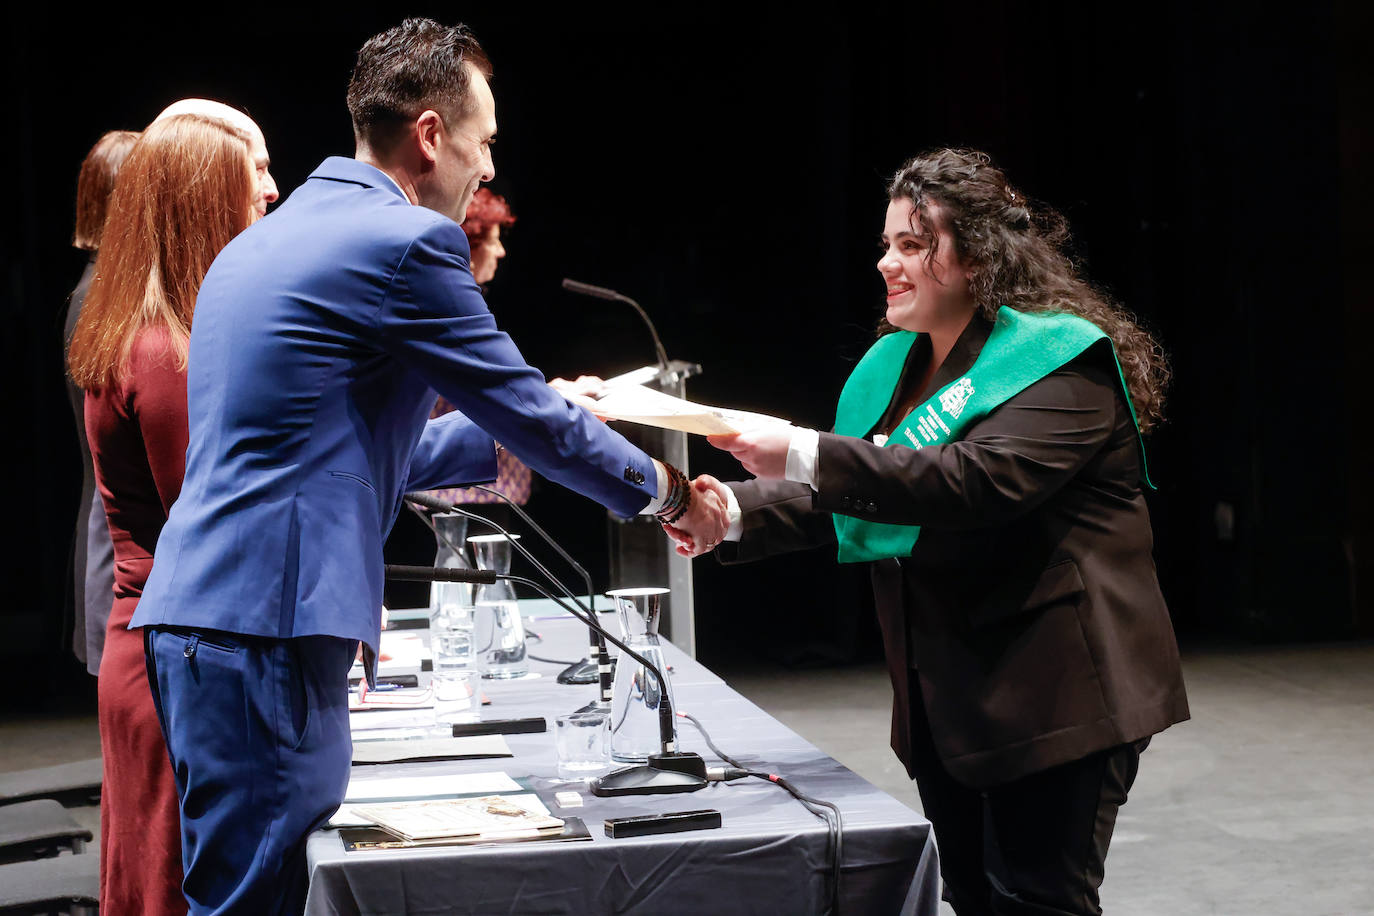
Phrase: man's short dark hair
(407,69)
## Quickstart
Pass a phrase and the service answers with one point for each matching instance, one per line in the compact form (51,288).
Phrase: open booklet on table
(489,816)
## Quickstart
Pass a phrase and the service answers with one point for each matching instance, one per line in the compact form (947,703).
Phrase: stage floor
(1262,803)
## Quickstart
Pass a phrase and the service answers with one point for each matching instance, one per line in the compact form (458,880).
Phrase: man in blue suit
(321,336)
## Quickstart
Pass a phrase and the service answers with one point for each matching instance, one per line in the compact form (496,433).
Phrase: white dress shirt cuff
(801,456)
(736,529)
(657,502)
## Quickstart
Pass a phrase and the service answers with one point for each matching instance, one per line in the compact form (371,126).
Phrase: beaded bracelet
(679,498)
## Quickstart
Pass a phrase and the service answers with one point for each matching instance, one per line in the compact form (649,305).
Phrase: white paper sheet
(375,719)
(363,786)
(648,407)
(640,376)
(433,748)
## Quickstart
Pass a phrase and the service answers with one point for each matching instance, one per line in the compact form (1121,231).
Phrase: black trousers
(1033,846)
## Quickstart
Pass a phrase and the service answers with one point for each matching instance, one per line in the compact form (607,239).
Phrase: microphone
(600,292)
(586,289)
(671,770)
(597,665)
(436,574)
(421,498)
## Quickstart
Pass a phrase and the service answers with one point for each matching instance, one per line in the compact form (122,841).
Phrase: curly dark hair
(1014,250)
(407,69)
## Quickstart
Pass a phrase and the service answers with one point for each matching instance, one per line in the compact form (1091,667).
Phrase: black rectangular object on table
(527,726)
(671,822)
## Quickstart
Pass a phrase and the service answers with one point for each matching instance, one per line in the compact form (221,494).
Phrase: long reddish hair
(93,186)
(185,190)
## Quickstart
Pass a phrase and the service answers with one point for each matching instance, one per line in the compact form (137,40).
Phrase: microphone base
(596,706)
(584,672)
(664,774)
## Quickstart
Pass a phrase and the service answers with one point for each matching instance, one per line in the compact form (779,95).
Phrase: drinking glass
(584,744)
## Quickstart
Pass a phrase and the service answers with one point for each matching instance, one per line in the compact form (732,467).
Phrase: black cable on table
(822,809)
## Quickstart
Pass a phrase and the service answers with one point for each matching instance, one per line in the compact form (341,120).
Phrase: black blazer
(1028,618)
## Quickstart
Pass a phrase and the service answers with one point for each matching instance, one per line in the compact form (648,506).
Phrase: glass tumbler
(584,744)
(450,640)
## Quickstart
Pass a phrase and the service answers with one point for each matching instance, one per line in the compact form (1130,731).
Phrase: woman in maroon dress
(189,185)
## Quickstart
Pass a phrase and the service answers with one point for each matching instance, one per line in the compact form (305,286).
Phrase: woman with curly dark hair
(987,462)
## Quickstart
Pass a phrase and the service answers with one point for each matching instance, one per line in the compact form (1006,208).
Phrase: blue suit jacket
(320,336)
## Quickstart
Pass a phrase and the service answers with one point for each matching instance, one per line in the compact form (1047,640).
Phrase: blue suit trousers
(257,730)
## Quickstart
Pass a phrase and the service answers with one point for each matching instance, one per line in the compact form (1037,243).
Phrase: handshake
(706,520)
(762,452)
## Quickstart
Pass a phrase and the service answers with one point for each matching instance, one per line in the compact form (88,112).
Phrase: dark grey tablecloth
(769,855)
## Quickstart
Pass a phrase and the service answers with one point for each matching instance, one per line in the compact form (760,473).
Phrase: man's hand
(582,392)
(763,452)
(706,521)
(587,386)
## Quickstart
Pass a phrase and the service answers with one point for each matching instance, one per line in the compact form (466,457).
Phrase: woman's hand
(763,452)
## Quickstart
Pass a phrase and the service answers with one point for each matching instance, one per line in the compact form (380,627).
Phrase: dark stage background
(726,167)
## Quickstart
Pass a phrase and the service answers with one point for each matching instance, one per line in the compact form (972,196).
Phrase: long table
(768,856)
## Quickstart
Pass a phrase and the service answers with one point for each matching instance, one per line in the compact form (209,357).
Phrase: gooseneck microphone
(597,663)
(424,500)
(671,770)
(436,574)
(600,292)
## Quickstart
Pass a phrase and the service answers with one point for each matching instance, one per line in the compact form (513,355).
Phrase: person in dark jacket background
(92,560)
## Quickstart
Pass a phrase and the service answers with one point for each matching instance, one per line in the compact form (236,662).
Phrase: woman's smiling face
(925,292)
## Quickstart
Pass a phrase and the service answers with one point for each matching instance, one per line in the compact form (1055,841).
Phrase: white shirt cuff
(801,456)
(736,529)
(657,502)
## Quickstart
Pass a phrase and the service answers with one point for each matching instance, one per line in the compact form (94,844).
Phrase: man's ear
(429,134)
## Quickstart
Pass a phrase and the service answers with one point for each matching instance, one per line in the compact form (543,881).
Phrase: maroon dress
(137,433)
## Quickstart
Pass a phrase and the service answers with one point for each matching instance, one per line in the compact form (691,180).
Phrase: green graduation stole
(1023,348)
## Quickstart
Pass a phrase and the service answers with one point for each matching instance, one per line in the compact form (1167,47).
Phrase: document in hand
(637,404)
